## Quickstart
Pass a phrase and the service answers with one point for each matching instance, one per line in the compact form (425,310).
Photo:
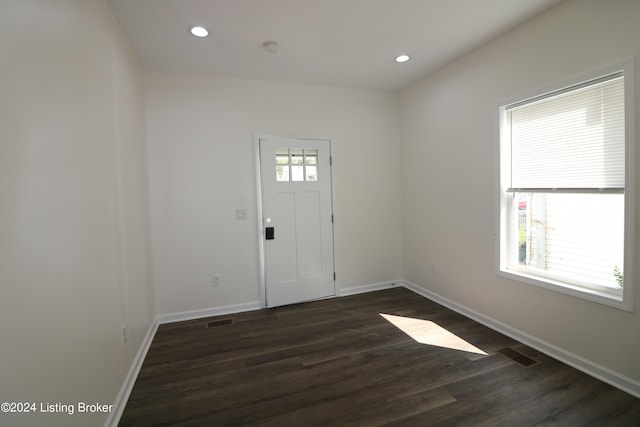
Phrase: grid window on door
(296,164)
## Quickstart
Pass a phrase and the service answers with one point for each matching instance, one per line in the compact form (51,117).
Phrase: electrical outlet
(124,333)
(215,281)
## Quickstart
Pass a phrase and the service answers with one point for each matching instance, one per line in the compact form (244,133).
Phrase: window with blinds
(563,175)
(570,140)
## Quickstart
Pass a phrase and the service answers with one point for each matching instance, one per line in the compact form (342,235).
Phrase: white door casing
(297,219)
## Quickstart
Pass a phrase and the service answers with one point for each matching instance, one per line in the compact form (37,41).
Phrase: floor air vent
(221,322)
(521,359)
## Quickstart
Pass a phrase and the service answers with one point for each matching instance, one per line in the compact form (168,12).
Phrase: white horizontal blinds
(570,139)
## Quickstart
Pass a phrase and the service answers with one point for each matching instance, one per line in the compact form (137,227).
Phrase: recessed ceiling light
(198,31)
(402,58)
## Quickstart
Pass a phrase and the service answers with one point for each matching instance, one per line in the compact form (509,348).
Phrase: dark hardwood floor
(338,362)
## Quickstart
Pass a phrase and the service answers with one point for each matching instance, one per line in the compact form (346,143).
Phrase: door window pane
(311,164)
(282,156)
(282,173)
(282,164)
(312,173)
(296,164)
(311,157)
(297,157)
(297,173)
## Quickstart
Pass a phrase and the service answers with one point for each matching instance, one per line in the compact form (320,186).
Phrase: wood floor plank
(339,362)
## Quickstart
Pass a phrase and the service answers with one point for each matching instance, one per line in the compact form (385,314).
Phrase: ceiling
(346,43)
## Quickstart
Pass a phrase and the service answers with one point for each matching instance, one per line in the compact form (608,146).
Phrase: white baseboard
(369,288)
(125,391)
(588,367)
(208,312)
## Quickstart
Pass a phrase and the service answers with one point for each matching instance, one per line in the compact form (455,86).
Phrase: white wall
(202,168)
(449,123)
(74,206)
(74,221)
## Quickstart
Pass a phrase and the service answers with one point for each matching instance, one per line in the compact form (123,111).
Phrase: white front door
(297,221)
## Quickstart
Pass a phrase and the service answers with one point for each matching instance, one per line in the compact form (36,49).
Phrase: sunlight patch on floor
(430,333)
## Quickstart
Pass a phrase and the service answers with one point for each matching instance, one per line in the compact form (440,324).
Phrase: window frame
(624,299)
(305,164)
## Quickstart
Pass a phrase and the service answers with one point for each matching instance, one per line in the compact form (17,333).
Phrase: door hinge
(331,218)
(330,160)
(334,276)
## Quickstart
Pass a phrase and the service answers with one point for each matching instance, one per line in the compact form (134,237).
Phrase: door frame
(259,217)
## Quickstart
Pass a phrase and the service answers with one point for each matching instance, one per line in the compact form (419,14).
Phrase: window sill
(616,301)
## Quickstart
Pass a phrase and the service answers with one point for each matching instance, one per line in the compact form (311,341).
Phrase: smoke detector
(270,46)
